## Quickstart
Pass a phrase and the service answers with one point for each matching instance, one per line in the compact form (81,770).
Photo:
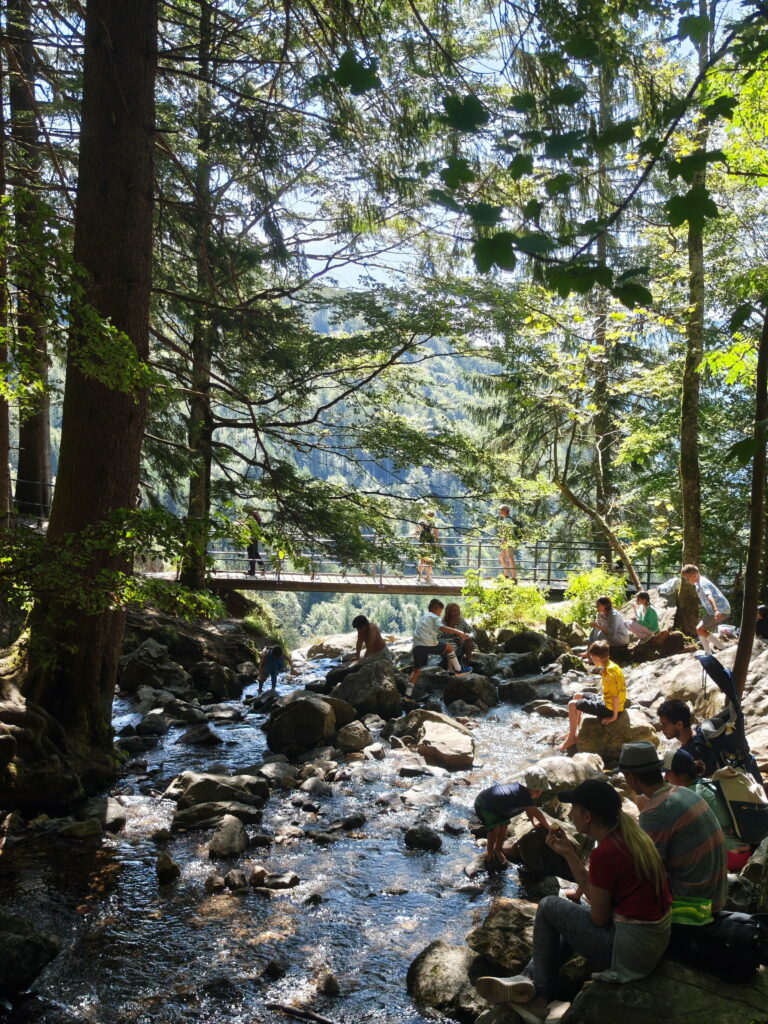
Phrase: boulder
(200,736)
(440,977)
(676,993)
(531,850)
(150,665)
(353,737)
(472,689)
(107,811)
(461,710)
(546,709)
(230,840)
(183,711)
(279,773)
(422,837)
(606,740)
(679,677)
(410,724)
(284,880)
(300,725)
(566,772)
(343,711)
(506,934)
(220,682)
(154,723)
(191,788)
(441,743)
(214,882)
(210,815)
(756,868)
(371,689)
(24,952)
(333,646)
(570,633)
(235,880)
(166,869)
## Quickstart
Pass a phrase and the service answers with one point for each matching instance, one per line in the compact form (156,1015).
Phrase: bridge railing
(542,562)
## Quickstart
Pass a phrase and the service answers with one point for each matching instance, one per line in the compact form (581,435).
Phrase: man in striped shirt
(686,833)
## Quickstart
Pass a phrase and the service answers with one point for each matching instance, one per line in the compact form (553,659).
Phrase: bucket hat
(639,757)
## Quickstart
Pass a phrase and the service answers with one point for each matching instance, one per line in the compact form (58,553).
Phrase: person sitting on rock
(686,833)
(608,624)
(452,617)
(497,805)
(271,663)
(425,642)
(369,637)
(624,931)
(675,724)
(680,769)
(614,694)
(646,621)
(715,604)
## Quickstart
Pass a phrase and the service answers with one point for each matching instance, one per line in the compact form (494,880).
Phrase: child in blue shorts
(497,805)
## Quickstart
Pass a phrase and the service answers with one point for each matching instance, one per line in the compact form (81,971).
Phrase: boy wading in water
(497,805)
(614,694)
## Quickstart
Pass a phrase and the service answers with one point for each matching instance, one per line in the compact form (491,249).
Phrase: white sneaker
(517,989)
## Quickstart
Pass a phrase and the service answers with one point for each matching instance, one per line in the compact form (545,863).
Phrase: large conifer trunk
(102,427)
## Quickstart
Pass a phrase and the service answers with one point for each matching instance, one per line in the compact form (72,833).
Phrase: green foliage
(584,589)
(500,603)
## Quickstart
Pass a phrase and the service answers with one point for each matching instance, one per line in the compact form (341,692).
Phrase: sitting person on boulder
(675,724)
(369,637)
(614,694)
(680,769)
(608,624)
(271,663)
(425,642)
(497,805)
(624,931)
(686,833)
(646,622)
(452,617)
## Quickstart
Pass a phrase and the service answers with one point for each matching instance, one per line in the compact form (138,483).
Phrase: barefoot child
(614,694)
(497,805)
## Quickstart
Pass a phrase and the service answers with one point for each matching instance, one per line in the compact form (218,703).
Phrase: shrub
(584,588)
(501,602)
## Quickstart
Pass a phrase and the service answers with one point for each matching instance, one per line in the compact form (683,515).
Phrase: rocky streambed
(327,866)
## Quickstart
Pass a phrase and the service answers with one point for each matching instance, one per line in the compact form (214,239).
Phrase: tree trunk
(756,517)
(690,472)
(200,429)
(5,412)
(687,612)
(74,651)
(603,424)
(33,475)
(606,530)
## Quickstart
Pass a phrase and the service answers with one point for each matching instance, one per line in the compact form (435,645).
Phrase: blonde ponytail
(643,852)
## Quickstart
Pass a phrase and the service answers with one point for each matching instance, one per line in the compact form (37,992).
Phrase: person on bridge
(506,531)
(253,524)
(425,642)
(369,637)
(714,602)
(428,537)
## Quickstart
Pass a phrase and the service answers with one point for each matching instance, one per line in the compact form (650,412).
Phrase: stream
(136,953)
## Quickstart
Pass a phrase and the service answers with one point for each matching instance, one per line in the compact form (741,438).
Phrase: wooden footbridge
(545,564)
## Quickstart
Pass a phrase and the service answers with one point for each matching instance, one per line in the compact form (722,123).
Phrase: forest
(340,262)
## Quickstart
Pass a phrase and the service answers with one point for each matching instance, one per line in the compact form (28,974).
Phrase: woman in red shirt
(624,931)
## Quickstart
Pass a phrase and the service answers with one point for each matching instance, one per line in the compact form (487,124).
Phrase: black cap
(596,796)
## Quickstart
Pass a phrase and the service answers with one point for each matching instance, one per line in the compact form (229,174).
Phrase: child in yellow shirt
(614,694)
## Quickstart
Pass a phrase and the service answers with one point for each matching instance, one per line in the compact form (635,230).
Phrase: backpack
(732,947)
(723,735)
(746,801)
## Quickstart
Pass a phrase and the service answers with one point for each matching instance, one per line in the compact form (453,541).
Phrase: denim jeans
(561,928)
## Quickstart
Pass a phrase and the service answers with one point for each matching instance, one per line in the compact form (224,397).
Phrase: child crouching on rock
(497,805)
(614,694)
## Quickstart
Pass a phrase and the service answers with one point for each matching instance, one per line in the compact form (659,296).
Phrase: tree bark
(5,412)
(33,475)
(756,517)
(690,472)
(73,652)
(200,429)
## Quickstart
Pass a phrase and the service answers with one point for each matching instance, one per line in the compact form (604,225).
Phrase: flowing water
(135,953)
